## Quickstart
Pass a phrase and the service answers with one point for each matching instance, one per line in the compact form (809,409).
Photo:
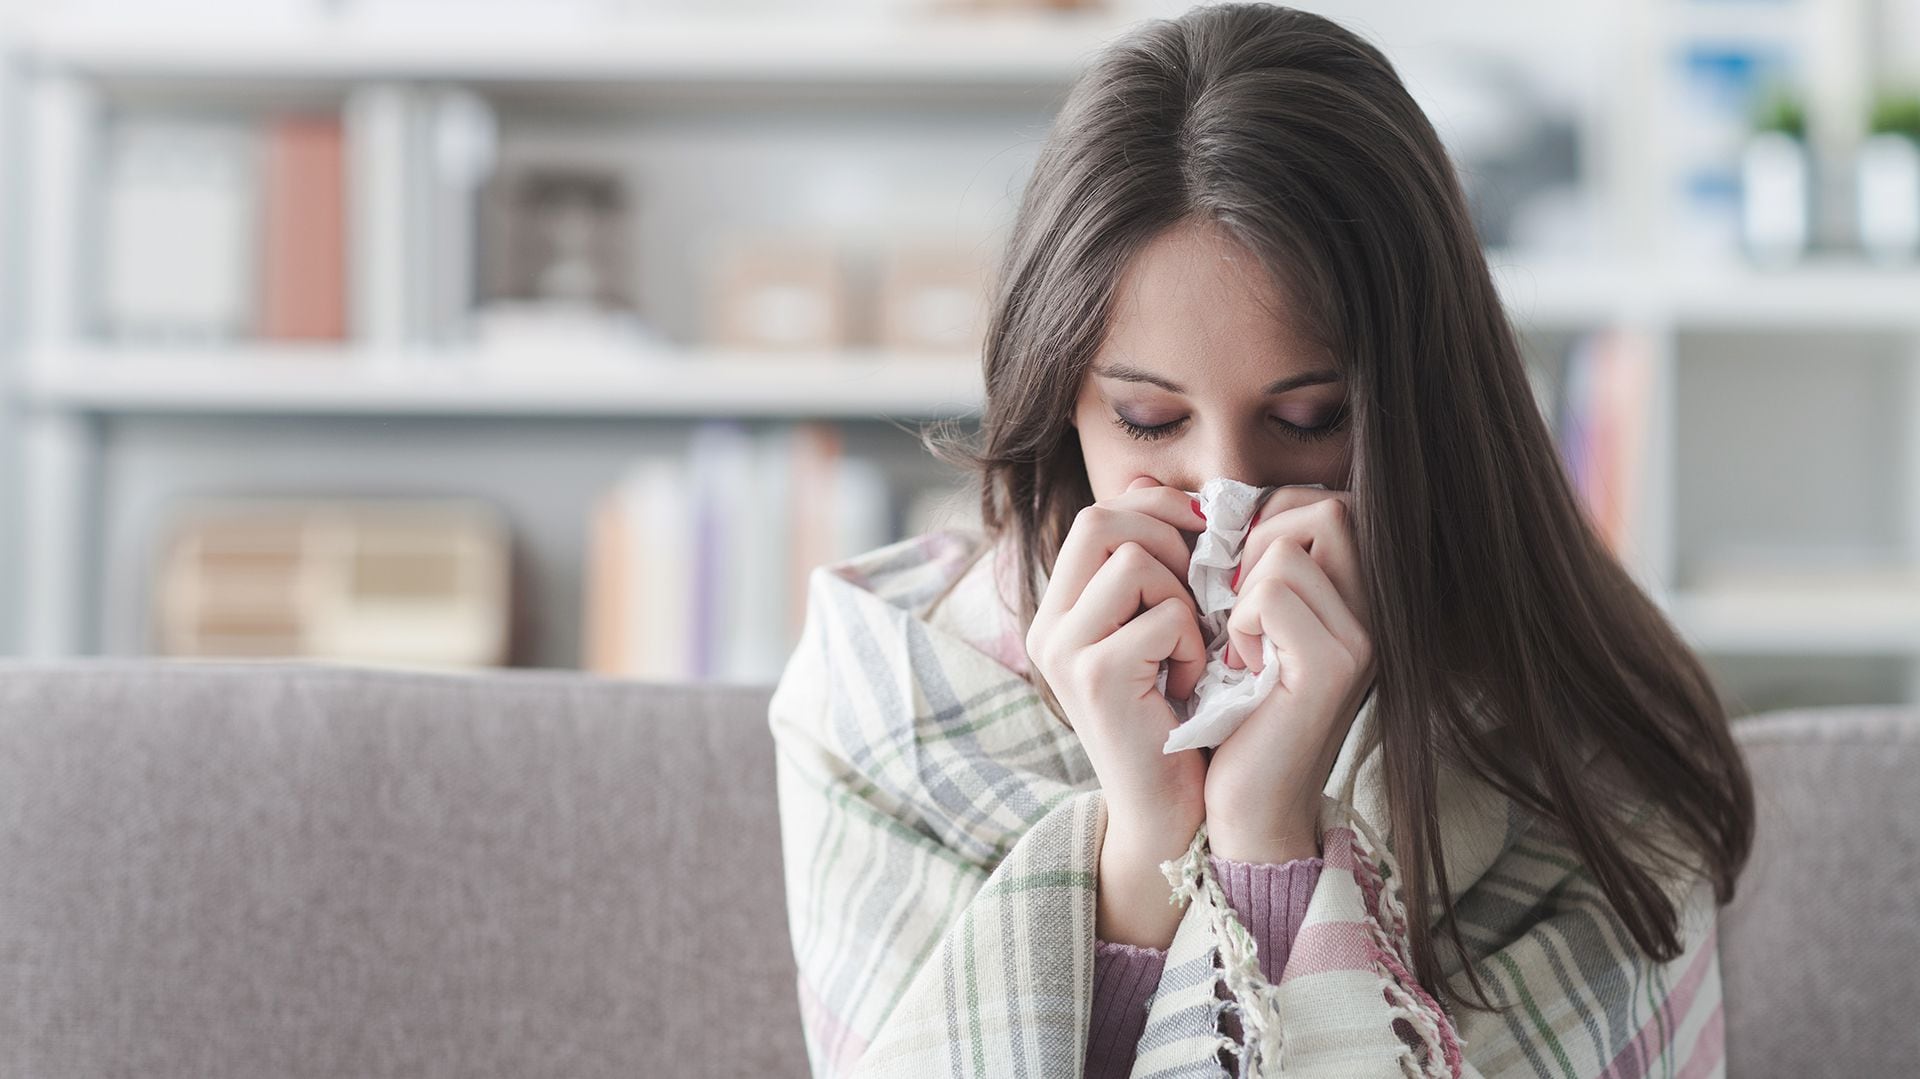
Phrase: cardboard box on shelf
(931,299)
(777,293)
(418,582)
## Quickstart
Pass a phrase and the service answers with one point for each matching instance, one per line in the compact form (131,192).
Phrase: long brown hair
(1494,595)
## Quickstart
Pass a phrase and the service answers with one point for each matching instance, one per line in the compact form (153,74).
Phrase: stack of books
(1602,428)
(217,229)
(698,564)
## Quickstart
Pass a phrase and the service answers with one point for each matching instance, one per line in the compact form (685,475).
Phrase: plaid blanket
(941,835)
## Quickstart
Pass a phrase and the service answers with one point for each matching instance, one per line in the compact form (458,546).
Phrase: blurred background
(572,333)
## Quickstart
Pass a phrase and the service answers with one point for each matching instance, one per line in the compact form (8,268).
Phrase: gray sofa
(246,869)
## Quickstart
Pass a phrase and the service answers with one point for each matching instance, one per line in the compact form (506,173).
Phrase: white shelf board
(693,383)
(1560,292)
(1821,293)
(1733,22)
(926,49)
(1842,621)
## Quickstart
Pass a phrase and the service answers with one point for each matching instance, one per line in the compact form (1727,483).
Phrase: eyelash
(1291,430)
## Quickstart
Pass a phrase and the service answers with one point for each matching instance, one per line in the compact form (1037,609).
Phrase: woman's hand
(1299,584)
(1116,605)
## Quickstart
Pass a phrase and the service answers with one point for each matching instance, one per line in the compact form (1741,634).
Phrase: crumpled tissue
(1224,696)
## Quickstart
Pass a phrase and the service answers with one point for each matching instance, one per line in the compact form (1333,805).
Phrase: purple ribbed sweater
(1268,898)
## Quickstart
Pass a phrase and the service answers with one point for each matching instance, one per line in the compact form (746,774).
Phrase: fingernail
(1196,508)
(1235,583)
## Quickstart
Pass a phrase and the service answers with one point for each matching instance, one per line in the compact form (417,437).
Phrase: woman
(1480,824)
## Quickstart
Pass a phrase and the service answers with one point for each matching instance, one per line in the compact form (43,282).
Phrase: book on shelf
(455,148)
(177,257)
(421,158)
(643,546)
(303,251)
(699,563)
(1602,429)
(377,122)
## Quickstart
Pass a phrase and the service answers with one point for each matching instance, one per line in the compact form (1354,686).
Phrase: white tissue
(1224,696)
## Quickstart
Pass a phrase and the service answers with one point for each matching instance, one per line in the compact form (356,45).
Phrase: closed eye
(1291,430)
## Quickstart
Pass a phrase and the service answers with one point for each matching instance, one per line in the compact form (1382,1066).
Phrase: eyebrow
(1127,373)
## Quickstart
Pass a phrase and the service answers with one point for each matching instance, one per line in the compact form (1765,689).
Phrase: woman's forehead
(1194,300)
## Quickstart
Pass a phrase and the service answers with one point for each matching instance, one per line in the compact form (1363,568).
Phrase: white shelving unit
(930,51)
(1685,312)
(328,381)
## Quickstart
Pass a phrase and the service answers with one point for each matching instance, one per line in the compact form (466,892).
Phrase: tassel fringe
(1257,1000)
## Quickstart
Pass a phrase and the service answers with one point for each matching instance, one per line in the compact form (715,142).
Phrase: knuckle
(1338,656)
(1363,650)
(1291,555)
(1081,670)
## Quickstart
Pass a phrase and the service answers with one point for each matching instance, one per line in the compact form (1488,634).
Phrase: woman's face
(1202,348)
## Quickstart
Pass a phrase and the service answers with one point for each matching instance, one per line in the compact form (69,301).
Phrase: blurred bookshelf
(707,382)
(695,46)
(594,269)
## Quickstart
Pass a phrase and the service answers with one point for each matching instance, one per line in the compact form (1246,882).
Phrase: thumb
(1142,481)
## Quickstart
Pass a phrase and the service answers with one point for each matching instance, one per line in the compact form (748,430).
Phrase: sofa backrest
(1820,948)
(247,869)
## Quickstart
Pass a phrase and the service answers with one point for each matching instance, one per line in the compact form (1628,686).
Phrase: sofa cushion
(1820,948)
(233,868)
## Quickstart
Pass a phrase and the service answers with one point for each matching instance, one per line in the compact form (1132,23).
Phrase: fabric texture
(1269,899)
(1823,930)
(1124,976)
(271,868)
(1224,696)
(941,831)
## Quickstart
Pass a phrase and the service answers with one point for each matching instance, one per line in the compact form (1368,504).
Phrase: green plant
(1782,110)
(1895,114)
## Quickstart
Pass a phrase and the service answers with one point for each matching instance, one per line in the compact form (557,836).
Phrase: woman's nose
(1233,462)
